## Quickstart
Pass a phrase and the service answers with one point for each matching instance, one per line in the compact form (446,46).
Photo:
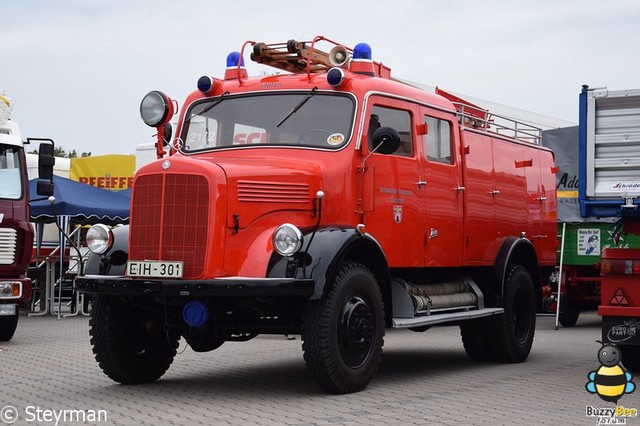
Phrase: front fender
(329,248)
(115,259)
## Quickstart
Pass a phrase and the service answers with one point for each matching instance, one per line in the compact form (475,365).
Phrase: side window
(397,119)
(438,140)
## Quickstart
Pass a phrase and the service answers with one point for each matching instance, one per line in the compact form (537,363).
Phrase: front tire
(8,326)
(131,344)
(514,330)
(343,333)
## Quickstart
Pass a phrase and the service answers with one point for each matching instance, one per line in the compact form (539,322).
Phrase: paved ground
(424,378)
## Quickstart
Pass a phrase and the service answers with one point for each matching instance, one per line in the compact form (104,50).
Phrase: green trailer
(580,260)
(580,240)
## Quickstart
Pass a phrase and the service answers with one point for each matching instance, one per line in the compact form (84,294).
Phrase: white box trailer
(609,152)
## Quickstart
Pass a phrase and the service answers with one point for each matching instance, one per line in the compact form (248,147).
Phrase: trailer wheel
(131,344)
(514,330)
(630,357)
(343,332)
(476,339)
(8,326)
(569,316)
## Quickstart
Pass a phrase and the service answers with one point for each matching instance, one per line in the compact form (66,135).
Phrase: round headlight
(6,290)
(155,108)
(99,238)
(287,239)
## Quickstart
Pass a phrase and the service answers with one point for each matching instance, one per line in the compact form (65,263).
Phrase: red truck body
(330,201)
(620,303)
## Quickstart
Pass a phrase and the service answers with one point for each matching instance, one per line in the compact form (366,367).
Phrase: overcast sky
(77,69)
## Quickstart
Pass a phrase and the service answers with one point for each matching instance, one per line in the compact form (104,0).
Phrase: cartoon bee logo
(610,381)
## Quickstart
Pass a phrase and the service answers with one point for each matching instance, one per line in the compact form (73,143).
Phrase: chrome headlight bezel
(99,239)
(155,108)
(287,240)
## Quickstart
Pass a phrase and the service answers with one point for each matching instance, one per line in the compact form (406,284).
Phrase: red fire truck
(331,201)
(16,233)
(609,187)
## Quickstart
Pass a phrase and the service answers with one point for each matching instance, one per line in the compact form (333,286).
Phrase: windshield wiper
(297,107)
(209,107)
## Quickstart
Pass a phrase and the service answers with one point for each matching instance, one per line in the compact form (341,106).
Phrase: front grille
(169,220)
(273,192)
(8,242)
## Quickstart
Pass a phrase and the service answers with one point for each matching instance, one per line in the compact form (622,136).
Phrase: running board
(443,318)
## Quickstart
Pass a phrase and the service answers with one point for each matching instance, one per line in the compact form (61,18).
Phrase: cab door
(443,190)
(396,217)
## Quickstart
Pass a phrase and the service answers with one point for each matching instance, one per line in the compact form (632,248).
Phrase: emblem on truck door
(397,214)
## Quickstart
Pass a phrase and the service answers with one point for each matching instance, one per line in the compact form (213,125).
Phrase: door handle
(422,183)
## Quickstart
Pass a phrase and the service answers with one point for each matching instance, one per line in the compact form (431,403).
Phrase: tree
(59,151)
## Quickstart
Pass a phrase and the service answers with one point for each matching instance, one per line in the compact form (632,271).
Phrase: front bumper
(221,287)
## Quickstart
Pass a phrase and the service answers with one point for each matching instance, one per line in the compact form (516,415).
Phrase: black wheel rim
(356,332)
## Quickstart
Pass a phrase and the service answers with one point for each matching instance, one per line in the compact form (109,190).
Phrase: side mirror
(44,188)
(168,131)
(46,161)
(386,140)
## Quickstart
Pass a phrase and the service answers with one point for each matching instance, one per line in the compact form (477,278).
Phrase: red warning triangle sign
(619,299)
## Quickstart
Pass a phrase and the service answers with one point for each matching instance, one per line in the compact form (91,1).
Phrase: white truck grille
(8,240)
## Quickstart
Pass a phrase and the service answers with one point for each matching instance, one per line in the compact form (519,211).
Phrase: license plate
(154,269)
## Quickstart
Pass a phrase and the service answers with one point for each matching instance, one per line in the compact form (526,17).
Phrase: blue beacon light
(362,51)
(233,58)
(233,71)
(362,62)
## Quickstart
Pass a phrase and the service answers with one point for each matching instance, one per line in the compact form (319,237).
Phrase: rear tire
(476,339)
(514,330)
(630,357)
(131,344)
(8,326)
(343,333)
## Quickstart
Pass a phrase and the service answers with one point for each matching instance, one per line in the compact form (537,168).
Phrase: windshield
(10,182)
(309,119)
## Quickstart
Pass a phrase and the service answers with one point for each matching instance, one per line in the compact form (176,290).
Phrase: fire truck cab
(331,201)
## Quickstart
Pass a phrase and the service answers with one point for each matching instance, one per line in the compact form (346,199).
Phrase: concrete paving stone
(424,378)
